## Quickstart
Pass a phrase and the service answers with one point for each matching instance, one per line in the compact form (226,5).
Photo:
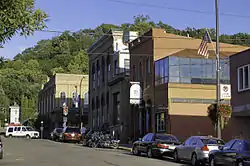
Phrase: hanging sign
(135,93)
(225,91)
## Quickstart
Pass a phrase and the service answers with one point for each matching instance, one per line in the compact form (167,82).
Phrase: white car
(21,131)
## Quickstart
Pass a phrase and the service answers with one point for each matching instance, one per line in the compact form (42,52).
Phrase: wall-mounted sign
(225,91)
(65,111)
(135,93)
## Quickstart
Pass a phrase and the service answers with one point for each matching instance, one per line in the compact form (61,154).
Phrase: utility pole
(217,69)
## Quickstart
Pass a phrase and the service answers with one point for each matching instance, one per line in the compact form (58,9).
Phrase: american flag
(203,49)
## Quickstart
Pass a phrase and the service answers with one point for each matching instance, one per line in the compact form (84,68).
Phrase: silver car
(196,149)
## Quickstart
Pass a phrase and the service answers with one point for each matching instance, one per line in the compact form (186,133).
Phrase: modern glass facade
(175,69)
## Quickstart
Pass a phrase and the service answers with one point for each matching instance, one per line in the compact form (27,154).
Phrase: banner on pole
(225,91)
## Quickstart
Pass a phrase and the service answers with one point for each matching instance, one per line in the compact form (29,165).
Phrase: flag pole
(217,69)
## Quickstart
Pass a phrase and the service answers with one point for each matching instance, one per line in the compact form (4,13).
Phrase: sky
(80,14)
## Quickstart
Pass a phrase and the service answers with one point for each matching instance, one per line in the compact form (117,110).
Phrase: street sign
(225,91)
(65,111)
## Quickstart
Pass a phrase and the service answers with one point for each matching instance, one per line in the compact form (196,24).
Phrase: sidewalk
(127,147)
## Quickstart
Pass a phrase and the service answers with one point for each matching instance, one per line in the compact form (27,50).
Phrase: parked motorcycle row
(94,139)
(100,139)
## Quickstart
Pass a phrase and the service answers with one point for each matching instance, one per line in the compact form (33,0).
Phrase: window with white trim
(243,78)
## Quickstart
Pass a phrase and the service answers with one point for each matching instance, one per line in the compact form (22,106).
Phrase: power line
(143,36)
(176,9)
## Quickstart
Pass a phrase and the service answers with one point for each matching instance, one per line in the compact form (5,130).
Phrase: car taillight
(204,148)
(163,146)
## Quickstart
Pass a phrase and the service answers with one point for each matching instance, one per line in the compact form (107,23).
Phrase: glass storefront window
(190,70)
(161,121)
(185,71)
(166,67)
(162,71)
(173,61)
(174,79)
(184,61)
(174,71)
(196,71)
(157,70)
(186,80)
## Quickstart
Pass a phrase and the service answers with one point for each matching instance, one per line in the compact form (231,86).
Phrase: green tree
(19,16)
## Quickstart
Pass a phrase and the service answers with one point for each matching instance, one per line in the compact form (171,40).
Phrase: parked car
(234,153)
(155,145)
(55,134)
(72,134)
(21,131)
(196,149)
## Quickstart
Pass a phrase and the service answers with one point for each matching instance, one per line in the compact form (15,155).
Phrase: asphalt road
(24,152)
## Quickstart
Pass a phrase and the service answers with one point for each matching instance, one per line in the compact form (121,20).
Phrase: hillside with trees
(22,77)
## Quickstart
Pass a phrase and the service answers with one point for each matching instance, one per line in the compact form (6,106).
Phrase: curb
(125,148)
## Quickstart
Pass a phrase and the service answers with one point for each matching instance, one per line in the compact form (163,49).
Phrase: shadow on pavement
(167,159)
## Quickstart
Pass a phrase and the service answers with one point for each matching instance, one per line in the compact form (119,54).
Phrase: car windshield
(164,137)
(30,129)
(72,130)
(59,130)
(246,146)
(212,141)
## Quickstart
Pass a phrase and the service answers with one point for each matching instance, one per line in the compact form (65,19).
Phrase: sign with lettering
(225,91)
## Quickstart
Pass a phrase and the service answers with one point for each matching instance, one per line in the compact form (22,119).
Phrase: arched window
(62,98)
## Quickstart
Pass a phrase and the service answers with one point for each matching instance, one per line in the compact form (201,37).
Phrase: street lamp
(80,103)
(41,129)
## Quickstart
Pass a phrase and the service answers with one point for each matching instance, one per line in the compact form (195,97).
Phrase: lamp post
(80,103)
(41,129)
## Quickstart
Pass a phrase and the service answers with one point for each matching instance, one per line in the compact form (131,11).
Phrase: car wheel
(149,153)
(194,160)
(211,161)
(10,136)
(176,158)
(28,136)
(135,151)
(239,163)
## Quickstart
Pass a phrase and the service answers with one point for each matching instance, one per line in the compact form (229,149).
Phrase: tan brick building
(58,90)
(184,83)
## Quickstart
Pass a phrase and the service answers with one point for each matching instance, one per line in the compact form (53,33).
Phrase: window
(145,138)
(243,78)
(62,98)
(165,137)
(166,72)
(23,129)
(93,75)
(228,144)
(126,64)
(10,130)
(116,67)
(161,121)
(98,72)
(157,72)
(188,141)
(103,71)
(237,145)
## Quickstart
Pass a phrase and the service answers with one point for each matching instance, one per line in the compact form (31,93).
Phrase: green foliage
(21,78)
(19,16)
(223,115)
